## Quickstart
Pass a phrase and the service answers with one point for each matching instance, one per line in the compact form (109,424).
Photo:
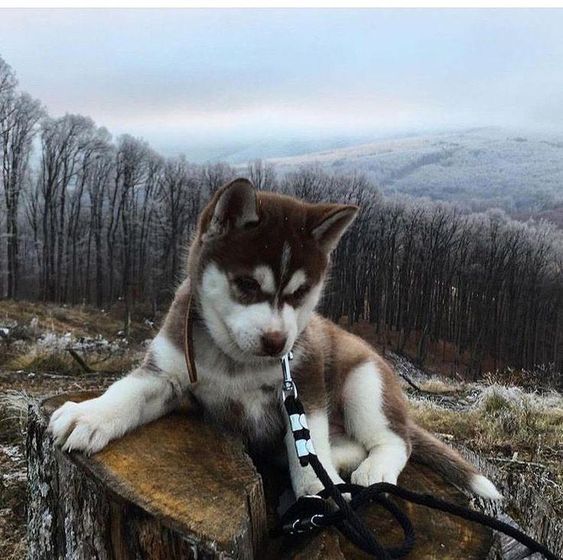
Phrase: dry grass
(81,320)
(516,429)
(40,335)
(13,416)
(42,360)
(441,386)
(61,362)
(504,418)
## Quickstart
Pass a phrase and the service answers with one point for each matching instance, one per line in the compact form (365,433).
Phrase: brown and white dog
(256,270)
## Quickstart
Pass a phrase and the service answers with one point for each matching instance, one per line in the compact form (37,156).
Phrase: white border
(217,4)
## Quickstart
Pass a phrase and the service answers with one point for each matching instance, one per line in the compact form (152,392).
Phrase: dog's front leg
(130,402)
(144,395)
(303,479)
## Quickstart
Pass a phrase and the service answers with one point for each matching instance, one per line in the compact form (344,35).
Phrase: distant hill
(484,168)
(238,153)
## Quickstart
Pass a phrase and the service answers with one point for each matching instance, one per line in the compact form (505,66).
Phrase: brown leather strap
(189,342)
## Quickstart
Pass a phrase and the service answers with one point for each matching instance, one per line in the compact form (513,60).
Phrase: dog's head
(258,263)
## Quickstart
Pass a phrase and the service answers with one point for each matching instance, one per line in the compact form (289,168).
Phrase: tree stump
(178,489)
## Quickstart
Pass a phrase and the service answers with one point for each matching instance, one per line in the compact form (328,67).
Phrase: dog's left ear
(331,223)
(233,206)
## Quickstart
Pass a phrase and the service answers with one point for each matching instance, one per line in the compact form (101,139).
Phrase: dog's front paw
(309,484)
(84,426)
(372,471)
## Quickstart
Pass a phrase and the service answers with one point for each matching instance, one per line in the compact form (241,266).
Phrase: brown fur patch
(240,250)
(332,353)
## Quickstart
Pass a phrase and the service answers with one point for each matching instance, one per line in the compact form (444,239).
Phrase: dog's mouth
(241,354)
(256,356)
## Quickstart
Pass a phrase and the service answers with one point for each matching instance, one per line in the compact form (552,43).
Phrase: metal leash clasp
(288,387)
(296,414)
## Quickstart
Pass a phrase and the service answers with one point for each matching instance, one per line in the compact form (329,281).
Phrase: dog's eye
(247,285)
(300,292)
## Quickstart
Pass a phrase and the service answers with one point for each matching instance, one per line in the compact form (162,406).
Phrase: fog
(207,82)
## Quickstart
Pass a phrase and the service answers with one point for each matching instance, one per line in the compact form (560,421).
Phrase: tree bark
(172,490)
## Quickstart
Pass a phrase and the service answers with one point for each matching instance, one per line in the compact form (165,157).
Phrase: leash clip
(288,387)
(296,415)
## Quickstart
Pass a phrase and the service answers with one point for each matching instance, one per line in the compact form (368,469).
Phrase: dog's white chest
(246,401)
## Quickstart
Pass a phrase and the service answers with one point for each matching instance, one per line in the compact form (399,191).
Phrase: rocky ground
(50,349)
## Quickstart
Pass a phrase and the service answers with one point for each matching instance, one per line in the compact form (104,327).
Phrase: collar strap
(189,341)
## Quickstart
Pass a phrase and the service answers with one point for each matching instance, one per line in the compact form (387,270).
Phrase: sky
(206,82)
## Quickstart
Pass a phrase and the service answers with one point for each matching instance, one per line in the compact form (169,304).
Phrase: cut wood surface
(178,489)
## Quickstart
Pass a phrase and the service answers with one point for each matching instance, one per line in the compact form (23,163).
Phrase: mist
(210,83)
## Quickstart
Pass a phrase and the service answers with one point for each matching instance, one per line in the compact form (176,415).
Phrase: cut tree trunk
(178,489)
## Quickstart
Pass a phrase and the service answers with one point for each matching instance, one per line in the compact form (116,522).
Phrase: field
(518,430)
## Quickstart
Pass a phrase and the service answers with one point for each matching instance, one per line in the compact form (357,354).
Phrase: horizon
(213,83)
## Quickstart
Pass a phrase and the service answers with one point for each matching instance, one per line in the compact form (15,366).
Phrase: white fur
(484,487)
(90,425)
(305,310)
(171,361)
(218,384)
(346,453)
(215,389)
(296,281)
(265,277)
(366,422)
(285,259)
(238,328)
(303,479)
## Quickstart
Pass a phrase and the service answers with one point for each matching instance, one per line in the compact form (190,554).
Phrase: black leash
(314,512)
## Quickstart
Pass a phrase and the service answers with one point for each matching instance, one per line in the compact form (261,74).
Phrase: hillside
(483,168)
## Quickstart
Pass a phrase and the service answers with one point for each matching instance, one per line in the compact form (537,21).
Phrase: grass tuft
(13,416)
(43,361)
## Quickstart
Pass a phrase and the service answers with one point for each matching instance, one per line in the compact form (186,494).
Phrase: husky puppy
(256,270)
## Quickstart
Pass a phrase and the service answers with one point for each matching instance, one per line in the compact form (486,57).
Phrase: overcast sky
(182,78)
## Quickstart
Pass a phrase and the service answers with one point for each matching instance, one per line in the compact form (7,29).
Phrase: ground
(518,429)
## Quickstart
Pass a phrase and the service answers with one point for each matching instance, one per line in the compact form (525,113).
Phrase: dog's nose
(273,342)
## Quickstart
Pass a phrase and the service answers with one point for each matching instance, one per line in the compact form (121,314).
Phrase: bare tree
(179,201)
(261,174)
(19,115)
(108,221)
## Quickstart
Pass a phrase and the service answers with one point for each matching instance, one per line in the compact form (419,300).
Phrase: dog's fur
(256,270)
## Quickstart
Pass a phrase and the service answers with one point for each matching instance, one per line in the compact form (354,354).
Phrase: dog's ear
(234,206)
(330,221)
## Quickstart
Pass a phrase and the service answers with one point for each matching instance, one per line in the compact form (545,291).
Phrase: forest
(88,219)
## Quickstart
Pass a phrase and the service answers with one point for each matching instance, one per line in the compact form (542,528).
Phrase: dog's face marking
(265,277)
(263,260)
(296,285)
